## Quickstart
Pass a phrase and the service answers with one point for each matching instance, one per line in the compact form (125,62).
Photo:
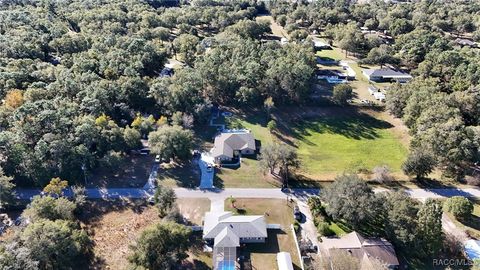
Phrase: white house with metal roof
(248,229)
(229,143)
(227,232)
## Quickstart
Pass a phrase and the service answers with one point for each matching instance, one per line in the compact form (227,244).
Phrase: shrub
(382,174)
(315,205)
(296,226)
(342,93)
(459,206)
(323,228)
(271,125)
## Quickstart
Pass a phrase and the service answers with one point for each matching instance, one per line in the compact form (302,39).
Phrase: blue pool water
(226,265)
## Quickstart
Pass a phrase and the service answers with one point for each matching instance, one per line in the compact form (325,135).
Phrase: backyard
(276,211)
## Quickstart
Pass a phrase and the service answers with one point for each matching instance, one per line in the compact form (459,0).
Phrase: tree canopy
(162,246)
(350,199)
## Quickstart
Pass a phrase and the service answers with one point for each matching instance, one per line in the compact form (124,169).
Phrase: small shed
(284,261)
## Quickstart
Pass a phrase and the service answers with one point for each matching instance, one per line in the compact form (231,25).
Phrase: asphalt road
(136,193)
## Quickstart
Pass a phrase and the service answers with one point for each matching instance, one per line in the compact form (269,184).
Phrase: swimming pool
(226,265)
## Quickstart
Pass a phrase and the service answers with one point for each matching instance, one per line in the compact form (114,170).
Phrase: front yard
(179,175)
(131,172)
(248,174)
(276,211)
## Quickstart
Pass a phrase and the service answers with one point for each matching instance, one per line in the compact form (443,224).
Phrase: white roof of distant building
(241,226)
(464,41)
(228,142)
(379,95)
(318,43)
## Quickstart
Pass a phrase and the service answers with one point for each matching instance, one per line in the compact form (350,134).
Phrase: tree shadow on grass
(358,126)
(473,222)
(217,181)
(196,249)
(186,175)
(442,188)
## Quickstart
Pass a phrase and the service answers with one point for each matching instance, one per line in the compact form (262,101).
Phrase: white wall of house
(252,240)
(247,152)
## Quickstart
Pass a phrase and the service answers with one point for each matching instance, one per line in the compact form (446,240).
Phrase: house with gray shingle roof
(369,251)
(231,143)
(386,75)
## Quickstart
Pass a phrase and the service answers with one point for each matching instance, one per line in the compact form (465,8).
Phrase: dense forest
(441,106)
(81,80)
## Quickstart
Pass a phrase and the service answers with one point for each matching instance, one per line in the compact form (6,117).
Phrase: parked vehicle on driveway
(157,159)
(209,168)
(297,214)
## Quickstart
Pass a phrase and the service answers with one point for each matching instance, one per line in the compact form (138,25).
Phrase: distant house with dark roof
(369,251)
(386,75)
(230,143)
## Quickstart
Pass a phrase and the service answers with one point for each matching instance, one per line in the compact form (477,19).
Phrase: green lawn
(335,54)
(179,175)
(248,174)
(256,122)
(336,229)
(331,145)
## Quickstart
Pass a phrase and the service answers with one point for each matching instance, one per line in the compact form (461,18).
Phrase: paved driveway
(206,180)
(152,177)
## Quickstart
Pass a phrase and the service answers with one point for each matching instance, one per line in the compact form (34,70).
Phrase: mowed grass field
(329,140)
(331,145)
